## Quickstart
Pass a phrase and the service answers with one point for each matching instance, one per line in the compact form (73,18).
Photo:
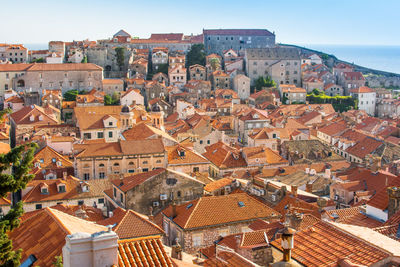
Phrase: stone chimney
(294,220)
(151,216)
(321,202)
(173,205)
(96,250)
(394,200)
(294,190)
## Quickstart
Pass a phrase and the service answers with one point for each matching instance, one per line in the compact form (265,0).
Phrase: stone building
(154,190)
(292,94)
(351,80)
(197,72)
(199,223)
(241,84)
(176,60)
(366,99)
(39,76)
(216,41)
(139,66)
(333,89)
(280,63)
(15,53)
(159,57)
(161,78)
(112,85)
(220,80)
(177,75)
(52,97)
(99,160)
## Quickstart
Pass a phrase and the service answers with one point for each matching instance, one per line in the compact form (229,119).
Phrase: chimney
(394,200)
(173,209)
(294,190)
(97,250)
(287,243)
(64,175)
(321,202)
(294,220)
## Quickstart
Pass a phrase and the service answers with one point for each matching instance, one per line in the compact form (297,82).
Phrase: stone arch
(21,83)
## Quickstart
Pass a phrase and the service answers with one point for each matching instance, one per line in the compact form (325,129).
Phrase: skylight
(241,204)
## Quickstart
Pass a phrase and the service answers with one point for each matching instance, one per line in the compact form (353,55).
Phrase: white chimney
(96,250)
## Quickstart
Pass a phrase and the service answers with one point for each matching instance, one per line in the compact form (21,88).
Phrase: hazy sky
(296,21)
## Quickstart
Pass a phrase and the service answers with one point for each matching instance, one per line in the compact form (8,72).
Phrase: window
(145,162)
(86,176)
(110,123)
(196,169)
(110,134)
(145,169)
(61,188)
(121,197)
(29,261)
(102,175)
(197,240)
(171,181)
(87,136)
(158,161)
(80,202)
(100,200)
(201,142)
(115,192)
(38,206)
(100,135)
(179,194)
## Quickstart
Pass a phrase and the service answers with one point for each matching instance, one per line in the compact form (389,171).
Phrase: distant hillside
(331,60)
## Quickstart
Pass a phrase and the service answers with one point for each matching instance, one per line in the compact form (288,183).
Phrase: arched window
(101,165)
(116,164)
(131,163)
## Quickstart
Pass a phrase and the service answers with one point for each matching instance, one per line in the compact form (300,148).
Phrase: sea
(386,58)
(379,57)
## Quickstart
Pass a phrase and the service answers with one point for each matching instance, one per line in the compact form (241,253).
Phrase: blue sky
(352,22)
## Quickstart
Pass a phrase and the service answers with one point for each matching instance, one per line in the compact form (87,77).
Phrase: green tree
(264,82)
(120,57)
(111,100)
(20,159)
(84,60)
(58,261)
(215,63)
(196,55)
(38,60)
(70,95)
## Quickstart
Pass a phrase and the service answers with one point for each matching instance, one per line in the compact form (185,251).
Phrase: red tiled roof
(130,224)
(130,182)
(214,210)
(325,245)
(142,252)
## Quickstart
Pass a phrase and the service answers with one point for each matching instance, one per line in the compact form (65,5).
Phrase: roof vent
(241,204)
(189,206)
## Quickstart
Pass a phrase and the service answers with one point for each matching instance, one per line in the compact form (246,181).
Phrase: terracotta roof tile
(142,252)
(213,210)
(130,224)
(324,245)
(130,182)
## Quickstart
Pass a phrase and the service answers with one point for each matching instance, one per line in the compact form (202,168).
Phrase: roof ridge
(145,220)
(57,220)
(120,222)
(191,214)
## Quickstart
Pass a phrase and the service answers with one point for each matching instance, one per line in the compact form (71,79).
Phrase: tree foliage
(339,103)
(112,100)
(38,60)
(70,95)
(84,60)
(196,55)
(264,82)
(19,159)
(120,51)
(58,261)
